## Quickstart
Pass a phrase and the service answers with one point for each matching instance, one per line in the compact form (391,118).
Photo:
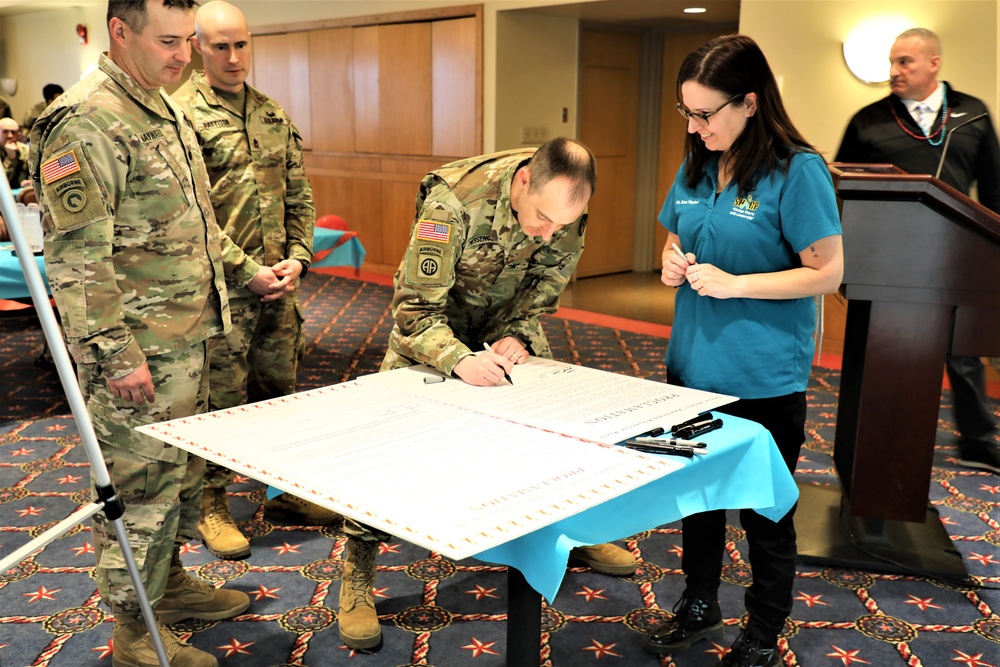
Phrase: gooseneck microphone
(944,151)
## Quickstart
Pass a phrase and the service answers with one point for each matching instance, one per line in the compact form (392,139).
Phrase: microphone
(944,151)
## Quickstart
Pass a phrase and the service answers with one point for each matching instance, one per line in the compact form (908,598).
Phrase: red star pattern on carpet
(235,646)
(478,648)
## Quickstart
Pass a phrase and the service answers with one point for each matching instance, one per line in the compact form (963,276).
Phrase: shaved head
(222,37)
(219,15)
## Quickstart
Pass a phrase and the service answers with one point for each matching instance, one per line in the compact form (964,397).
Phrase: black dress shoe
(694,619)
(980,455)
(748,651)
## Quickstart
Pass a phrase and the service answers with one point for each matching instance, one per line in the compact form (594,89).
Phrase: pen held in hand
(680,253)
(506,375)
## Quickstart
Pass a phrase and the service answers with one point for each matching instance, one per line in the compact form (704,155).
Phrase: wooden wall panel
(366,89)
(456,128)
(331,77)
(405,88)
(358,202)
(609,117)
(366,107)
(281,64)
(398,199)
(673,127)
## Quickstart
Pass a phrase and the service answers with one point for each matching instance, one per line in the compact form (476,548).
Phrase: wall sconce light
(8,85)
(81,31)
(866,48)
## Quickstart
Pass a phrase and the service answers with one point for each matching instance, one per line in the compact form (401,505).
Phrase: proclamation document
(575,400)
(360,449)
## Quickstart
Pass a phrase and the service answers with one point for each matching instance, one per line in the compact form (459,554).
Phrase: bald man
(15,154)
(263,201)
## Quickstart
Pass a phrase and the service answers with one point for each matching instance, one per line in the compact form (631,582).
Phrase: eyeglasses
(703,117)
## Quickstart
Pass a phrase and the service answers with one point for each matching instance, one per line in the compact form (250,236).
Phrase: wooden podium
(922,278)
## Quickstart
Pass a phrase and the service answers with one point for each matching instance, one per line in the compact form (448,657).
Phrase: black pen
(673,451)
(506,375)
(667,442)
(652,433)
(694,422)
(698,429)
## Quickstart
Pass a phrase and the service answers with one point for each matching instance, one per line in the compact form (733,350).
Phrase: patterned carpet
(441,613)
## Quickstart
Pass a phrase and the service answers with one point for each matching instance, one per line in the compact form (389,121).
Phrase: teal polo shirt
(750,348)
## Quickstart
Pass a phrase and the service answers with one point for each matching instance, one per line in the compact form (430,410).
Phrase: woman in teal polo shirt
(754,219)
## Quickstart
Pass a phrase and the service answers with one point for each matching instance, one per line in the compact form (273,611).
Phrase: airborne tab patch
(429,230)
(59,167)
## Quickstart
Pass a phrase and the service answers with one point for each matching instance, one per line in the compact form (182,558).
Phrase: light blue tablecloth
(349,253)
(12,285)
(742,469)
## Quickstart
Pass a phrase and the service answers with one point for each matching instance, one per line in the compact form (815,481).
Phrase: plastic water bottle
(31,224)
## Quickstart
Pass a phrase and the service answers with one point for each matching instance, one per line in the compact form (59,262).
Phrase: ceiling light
(695,10)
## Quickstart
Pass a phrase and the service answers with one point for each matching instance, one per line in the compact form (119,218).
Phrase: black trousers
(975,423)
(771,545)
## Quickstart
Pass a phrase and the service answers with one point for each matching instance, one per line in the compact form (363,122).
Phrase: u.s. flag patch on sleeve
(59,167)
(428,230)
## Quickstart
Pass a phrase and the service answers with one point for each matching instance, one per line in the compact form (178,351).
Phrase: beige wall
(65,60)
(536,77)
(804,49)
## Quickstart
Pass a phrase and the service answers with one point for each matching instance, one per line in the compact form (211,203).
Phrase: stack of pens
(680,443)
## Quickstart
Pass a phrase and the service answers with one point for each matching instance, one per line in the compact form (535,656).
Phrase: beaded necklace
(945,114)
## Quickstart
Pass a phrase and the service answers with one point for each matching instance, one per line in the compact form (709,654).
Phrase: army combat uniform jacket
(132,251)
(260,192)
(16,168)
(470,275)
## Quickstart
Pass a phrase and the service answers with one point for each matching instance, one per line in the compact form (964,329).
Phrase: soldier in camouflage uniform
(263,201)
(137,266)
(493,245)
(50,92)
(15,153)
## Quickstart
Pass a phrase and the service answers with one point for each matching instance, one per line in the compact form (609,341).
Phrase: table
(12,285)
(742,469)
(332,247)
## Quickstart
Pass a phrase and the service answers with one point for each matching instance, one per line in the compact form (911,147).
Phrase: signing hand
(483,370)
(511,348)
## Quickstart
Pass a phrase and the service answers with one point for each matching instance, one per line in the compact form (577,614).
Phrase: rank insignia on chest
(428,230)
(59,167)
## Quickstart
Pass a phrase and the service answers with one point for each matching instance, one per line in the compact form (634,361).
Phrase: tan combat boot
(299,510)
(187,597)
(605,558)
(133,647)
(357,620)
(217,529)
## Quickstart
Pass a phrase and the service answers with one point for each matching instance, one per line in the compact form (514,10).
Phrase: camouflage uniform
(16,168)
(263,201)
(470,275)
(33,114)
(135,261)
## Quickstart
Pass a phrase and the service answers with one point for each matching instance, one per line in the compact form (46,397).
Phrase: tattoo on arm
(812,249)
